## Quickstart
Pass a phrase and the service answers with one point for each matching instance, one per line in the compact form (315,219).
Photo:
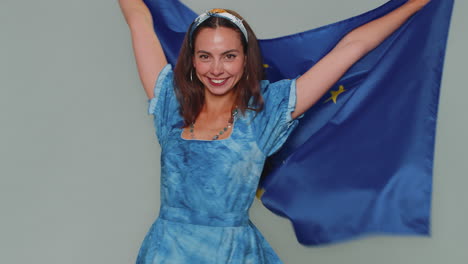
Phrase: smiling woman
(219,68)
(218,60)
(217,121)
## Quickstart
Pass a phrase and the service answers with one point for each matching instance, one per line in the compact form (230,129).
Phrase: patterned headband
(218,13)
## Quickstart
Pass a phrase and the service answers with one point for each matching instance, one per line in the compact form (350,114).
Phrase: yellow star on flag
(259,193)
(334,94)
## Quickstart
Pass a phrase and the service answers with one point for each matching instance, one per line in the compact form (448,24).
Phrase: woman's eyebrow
(228,51)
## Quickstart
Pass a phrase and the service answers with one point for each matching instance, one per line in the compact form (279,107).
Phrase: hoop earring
(191,78)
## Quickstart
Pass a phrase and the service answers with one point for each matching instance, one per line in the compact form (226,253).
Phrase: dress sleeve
(164,105)
(274,123)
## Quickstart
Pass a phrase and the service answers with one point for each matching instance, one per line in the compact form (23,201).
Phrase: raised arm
(149,56)
(317,80)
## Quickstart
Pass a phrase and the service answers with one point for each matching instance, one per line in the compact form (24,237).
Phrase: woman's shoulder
(166,73)
(268,88)
(273,124)
(264,84)
(164,94)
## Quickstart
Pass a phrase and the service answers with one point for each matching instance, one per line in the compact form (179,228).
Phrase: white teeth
(218,81)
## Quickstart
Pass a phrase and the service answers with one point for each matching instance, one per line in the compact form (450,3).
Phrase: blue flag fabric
(360,160)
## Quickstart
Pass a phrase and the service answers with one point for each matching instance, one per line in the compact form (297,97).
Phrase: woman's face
(219,59)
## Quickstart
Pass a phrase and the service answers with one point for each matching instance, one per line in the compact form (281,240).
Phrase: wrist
(416,5)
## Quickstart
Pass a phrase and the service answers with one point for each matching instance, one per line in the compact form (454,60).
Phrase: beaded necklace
(228,126)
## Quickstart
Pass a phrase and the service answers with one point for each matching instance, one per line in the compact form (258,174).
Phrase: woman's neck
(218,104)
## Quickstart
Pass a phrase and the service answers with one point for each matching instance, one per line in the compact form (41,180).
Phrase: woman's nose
(217,68)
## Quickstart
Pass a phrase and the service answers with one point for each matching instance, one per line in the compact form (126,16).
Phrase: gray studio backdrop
(79,163)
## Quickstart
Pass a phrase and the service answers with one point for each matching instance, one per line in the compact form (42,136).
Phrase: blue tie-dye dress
(207,187)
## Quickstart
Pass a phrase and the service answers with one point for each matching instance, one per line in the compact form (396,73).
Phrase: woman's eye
(203,57)
(231,56)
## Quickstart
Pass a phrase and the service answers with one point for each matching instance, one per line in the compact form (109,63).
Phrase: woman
(217,121)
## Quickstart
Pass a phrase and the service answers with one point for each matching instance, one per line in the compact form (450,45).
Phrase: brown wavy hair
(191,94)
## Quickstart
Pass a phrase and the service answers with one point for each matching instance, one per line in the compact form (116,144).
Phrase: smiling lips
(217,82)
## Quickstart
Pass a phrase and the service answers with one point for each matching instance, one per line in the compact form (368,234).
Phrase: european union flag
(361,159)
